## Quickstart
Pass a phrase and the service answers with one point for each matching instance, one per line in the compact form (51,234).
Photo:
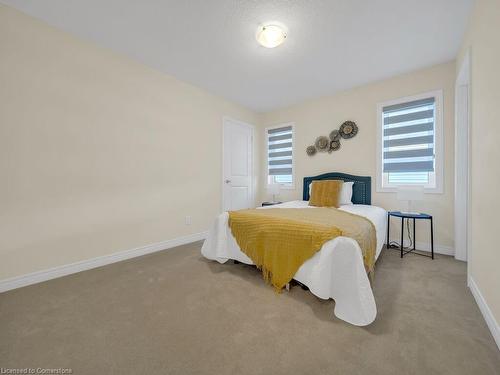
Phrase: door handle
(227,181)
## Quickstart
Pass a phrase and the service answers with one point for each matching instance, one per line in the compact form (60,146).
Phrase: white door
(462,165)
(237,164)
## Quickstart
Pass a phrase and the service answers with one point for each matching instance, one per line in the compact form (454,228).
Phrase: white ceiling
(331,45)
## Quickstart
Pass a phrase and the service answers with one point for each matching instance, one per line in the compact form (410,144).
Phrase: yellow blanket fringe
(280,240)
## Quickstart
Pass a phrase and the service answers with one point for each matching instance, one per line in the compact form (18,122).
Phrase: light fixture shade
(273,189)
(271,36)
(410,193)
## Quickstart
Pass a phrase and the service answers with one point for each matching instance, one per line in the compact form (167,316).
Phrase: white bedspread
(336,271)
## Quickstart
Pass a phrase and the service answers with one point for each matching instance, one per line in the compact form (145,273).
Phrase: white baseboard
(485,310)
(438,249)
(67,269)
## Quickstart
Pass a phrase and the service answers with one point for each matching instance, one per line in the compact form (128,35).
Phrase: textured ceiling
(331,45)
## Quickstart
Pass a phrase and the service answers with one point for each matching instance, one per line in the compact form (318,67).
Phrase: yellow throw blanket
(280,240)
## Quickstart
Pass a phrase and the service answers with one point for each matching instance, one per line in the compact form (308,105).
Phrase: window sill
(395,190)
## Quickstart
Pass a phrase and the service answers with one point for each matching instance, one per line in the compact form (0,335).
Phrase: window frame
(383,185)
(292,125)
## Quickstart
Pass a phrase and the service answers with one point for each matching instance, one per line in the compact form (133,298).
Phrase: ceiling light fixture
(271,36)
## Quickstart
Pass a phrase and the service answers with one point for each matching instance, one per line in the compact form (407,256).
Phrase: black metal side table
(264,204)
(414,216)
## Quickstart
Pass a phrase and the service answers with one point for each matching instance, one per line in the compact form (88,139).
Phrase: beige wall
(358,155)
(483,41)
(98,154)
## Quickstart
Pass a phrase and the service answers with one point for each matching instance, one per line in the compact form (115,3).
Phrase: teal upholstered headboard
(361,190)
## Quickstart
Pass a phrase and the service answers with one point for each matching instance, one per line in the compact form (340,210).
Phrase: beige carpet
(176,313)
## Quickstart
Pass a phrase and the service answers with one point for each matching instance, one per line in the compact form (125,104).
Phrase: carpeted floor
(176,313)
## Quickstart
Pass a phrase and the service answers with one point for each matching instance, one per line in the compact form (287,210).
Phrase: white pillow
(345,193)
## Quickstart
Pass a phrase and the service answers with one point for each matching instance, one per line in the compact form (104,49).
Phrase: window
(410,143)
(280,155)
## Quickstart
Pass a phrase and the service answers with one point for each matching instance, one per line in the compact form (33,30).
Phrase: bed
(336,271)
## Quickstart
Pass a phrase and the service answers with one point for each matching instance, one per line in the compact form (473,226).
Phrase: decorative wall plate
(322,143)
(334,135)
(334,146)
(348,129)
(311,150)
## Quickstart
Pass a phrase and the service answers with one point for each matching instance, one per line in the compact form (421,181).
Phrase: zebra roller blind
(280,151)
(408,136)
